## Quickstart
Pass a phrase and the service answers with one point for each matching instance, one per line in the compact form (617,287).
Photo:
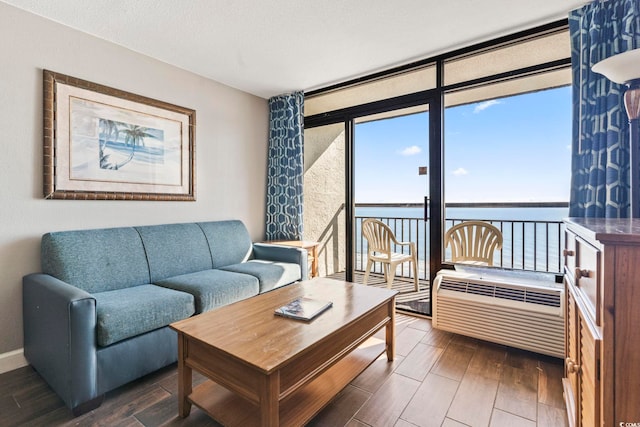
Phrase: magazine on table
(304,308)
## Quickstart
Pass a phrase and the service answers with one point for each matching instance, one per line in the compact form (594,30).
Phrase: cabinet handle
(568,252)
(572,367)
(582,273)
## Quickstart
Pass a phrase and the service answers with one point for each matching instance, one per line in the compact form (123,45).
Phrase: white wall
(231,147)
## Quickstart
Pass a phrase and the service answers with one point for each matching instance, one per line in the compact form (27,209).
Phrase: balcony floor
(407,300)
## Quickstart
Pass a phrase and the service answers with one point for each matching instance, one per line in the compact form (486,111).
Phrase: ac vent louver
(551,299)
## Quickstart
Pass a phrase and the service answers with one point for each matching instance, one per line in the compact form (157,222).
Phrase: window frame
(435,98)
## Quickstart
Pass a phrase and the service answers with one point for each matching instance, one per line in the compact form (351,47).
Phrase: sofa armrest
(60,336)
(279,253)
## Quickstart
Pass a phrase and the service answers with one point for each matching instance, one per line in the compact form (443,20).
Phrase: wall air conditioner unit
(502,308)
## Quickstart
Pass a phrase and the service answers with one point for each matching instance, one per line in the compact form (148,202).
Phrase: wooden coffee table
(268,370)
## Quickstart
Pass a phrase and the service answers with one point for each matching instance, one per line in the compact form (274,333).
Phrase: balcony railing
(531,245)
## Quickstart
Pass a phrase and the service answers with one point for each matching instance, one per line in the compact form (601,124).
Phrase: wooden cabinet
(602,340)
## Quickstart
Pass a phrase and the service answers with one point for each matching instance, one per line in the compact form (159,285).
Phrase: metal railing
(531,245)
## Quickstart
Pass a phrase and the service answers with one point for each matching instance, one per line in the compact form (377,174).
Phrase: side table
(309,245)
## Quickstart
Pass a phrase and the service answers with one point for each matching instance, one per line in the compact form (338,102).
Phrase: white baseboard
(12,360)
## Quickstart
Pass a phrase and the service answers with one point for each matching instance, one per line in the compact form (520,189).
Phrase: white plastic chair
(473,242)
(379,240)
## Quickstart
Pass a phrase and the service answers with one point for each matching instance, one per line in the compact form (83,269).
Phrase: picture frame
(102,143)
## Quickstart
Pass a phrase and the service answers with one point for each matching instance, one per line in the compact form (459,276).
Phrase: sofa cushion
(214,288)
(174,249)
(96,260)
(125,313)
(229,242)
(270,274)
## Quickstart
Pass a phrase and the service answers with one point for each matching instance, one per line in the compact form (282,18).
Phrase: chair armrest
(280,253)
(60,336)
(412,244)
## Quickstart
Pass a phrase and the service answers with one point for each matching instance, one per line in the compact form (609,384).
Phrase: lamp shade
(621,68)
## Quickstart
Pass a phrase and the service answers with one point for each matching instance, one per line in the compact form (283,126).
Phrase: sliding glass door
(391,184)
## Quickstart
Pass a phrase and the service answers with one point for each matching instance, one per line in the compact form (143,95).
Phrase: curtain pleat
(285,168)
(600,135)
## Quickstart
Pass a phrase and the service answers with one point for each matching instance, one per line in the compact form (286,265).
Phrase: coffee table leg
(269,402)
(184,379)
(391,330)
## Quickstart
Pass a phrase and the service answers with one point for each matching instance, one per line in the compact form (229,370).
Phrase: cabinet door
(582,365)
(571,382)
(588,371)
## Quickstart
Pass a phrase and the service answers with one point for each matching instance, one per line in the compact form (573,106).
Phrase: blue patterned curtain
(285,167)
(600,160)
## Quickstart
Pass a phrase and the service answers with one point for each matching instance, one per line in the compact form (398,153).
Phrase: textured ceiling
(276,46)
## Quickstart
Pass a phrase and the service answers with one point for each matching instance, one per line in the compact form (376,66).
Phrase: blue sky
(509,149)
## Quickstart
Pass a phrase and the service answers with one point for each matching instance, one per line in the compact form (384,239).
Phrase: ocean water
(533,237)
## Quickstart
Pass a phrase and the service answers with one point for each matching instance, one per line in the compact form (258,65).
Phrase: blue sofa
(97,316)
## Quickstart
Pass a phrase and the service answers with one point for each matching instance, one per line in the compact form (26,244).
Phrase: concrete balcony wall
(324,194)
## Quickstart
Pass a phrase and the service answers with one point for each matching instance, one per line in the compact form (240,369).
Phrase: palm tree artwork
(111,131)
(108,132)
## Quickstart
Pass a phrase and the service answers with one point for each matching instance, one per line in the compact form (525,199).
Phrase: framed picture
(108,144)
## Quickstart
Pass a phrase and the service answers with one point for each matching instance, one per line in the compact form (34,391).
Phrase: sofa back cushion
(229,241)
(174,249)
(96,260)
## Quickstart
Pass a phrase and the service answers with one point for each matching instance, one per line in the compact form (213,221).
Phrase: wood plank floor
(407,300)
(437,379)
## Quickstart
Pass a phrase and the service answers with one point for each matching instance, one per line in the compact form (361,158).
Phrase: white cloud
(411,151)
(460,171)
(486,104)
